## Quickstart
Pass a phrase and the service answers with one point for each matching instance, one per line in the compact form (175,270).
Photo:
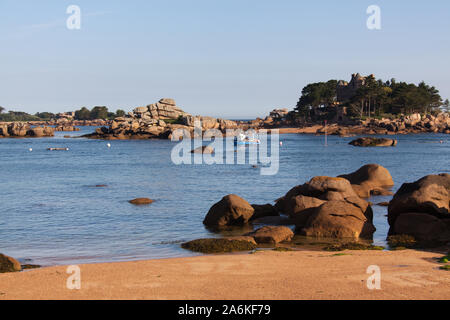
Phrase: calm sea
(52,213)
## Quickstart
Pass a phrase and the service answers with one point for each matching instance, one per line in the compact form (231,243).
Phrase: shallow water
(51,213)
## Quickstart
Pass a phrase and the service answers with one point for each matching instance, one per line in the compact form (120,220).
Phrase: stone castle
(346,90)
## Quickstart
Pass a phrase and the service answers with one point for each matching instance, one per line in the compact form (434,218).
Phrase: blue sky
(230,58)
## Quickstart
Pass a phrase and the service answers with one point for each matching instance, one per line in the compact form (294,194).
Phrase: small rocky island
(24,130)
(157,121)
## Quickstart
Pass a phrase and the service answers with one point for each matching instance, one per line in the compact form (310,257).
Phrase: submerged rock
(352,246)
(219,245)
(373,142)
(141,201)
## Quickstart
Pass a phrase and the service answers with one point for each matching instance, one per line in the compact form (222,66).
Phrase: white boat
(243,139)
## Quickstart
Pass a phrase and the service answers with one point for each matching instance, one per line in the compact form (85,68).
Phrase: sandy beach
(407,274)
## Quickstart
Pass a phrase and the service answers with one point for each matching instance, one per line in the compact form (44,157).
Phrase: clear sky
(229,58)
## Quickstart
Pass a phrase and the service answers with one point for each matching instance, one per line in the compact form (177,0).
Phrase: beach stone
(9,264)
(220,245)
(371,178)
(232,210)
(373,142)
(338,219)
(272,234)
(141,201)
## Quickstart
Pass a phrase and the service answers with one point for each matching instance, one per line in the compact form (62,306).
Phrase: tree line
(99,112)
(375,98)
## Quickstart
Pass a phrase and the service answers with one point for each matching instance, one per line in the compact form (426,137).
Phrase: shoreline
(405,274)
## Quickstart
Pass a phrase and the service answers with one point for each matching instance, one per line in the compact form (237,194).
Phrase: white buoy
(108,145)
(281,143)
(31,149)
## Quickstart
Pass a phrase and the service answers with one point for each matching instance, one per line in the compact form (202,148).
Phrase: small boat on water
(243,139)
(58,149)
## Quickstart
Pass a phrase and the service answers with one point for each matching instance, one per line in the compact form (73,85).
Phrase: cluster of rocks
(328,207)
(22,130)
(158,121)
(324,207)
(414,123)
(421,209)
(335,207)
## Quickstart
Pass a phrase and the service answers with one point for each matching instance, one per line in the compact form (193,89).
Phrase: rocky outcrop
(373,142)
(271,234)
(421,209)
(157,121)
(328,207)
(232,210)
(24,130)
(9,264)
(371,179)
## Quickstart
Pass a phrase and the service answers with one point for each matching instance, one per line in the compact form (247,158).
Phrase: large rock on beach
(421,209)
(232,210)
(370,179)
(9,264)
(338,219)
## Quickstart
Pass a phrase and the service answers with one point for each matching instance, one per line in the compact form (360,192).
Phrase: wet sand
(406,274)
